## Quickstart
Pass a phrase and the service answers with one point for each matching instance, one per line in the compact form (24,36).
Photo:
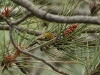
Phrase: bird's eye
(47,39)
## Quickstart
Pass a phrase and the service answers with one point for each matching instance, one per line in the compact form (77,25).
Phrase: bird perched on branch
(44,37)
(47,36)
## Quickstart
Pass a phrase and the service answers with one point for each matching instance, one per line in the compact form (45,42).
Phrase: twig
(66,62)
(22,29)
(11,29)
(22,68)
(37,32)
(7,21)
(22,19)
(29,31)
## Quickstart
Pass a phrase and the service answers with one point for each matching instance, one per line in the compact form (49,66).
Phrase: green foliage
(77,46)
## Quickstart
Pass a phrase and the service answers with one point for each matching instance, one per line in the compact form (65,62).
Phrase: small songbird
(44,37)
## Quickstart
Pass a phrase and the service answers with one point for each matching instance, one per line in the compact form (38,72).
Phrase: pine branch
(27,53)
(56,18)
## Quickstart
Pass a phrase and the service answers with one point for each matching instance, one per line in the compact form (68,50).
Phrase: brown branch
(22,68)
(66,62)
(56,18)
(22,19)
(7,21)
(22,29)
(29,31)
(27,53)
(37,32)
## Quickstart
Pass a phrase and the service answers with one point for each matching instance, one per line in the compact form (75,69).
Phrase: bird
(44,37)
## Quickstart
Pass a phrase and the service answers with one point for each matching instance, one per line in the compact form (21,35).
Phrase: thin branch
(37,32)
(22,29)
(22,68)
(29,31)
(56,18)
(7,21)
(27,53)
(22,19)
(65,62)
